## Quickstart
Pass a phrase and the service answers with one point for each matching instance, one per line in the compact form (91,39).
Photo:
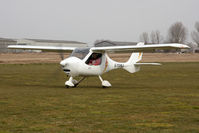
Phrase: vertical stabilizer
(135,57)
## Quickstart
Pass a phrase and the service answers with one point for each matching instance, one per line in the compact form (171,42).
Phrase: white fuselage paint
(78,67)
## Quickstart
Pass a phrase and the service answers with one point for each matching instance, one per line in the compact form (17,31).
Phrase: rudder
(135,57)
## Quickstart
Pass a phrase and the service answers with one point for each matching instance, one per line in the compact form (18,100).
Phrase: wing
(43,48)
(140,47)
(140,64)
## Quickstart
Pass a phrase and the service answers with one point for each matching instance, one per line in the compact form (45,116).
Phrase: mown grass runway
(156,99)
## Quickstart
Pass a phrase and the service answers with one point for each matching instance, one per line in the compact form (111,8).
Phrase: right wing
(43,48)
(140,47)
(140,64)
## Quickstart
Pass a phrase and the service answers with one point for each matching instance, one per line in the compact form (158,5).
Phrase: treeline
(177,33)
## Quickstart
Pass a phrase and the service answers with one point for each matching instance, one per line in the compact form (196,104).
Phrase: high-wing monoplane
(94,61)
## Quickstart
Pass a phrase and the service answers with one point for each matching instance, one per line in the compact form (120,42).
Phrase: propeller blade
(61,55)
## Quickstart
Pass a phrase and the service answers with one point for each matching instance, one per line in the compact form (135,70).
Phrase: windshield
(80,52)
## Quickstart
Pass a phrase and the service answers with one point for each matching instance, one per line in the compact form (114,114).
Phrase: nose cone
(70,66)
(63,63)
(69,62)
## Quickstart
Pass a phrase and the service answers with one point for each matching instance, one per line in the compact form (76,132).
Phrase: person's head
(94,56)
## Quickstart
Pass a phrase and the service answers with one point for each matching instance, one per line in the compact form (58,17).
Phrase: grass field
(156,99)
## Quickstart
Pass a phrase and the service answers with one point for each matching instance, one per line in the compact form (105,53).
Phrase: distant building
(196,50)
(105,43)
(4,42)
(193,48)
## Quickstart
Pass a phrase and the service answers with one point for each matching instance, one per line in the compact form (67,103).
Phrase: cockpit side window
(95,59)
(80,53)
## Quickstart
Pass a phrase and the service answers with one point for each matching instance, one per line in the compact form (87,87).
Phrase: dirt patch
(25,58)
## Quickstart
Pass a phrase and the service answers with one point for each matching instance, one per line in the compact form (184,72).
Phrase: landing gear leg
(76,83)
(69,83)
(72,82)
(105,83)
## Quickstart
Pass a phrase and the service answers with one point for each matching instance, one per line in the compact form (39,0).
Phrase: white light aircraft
(94,61)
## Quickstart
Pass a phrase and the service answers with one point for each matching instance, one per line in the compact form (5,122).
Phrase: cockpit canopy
(80,53)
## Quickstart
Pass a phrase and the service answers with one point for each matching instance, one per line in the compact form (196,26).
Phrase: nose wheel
(71,83)
(105,83)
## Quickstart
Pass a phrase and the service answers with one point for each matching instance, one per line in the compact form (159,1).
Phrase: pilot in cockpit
(95,59)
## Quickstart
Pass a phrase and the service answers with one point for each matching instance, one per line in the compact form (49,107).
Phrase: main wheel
(67,86)
(104,87)
(75,85)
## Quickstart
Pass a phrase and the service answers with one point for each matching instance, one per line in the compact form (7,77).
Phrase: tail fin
(135,57)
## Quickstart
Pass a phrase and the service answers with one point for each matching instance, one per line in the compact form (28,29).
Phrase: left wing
(140,47)
(43,48)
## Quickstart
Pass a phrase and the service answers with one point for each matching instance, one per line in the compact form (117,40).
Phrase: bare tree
(192,46)
(177,33)
(144,37)
(195,34)
(156,38)
(197,26)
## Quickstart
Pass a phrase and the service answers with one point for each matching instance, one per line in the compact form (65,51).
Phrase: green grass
(157,99)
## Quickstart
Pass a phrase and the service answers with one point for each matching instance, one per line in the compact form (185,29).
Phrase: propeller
(58,70)
(61,55)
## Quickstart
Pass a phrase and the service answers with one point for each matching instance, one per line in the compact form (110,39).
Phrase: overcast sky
(88,20)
